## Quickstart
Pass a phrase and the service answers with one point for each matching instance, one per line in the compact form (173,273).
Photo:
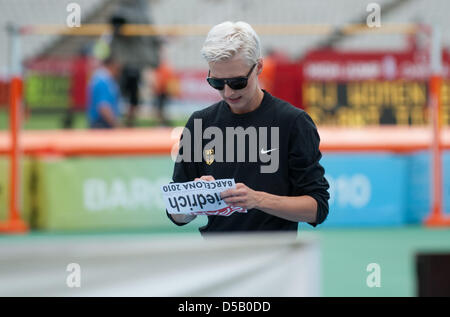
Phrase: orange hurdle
(14,223)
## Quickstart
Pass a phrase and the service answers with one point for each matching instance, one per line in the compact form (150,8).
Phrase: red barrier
(160,141)
(14,224)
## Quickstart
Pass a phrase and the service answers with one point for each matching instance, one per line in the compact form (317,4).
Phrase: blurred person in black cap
(134,53)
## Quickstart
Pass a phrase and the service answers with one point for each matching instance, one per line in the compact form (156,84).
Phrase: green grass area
(346,254)
(45,121)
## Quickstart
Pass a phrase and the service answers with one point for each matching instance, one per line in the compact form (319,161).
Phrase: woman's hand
(241,196)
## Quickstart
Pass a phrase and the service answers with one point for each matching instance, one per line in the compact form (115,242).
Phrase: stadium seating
(24,12)
(184,51)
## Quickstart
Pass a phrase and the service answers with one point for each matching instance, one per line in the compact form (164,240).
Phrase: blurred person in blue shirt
(104,94)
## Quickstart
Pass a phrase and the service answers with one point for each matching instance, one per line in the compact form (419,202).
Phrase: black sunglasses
(234,83)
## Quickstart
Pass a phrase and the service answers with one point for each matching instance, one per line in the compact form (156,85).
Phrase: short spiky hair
(227,39)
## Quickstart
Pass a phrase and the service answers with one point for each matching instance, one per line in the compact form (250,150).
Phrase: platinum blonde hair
(227,39)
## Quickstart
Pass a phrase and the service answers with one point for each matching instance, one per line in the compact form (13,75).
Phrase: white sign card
(199,198)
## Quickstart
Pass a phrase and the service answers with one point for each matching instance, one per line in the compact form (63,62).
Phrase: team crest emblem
(209,156)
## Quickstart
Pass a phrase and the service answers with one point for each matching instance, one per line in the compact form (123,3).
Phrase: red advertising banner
(370,88)
(192,86)
(61,83)
(338,88)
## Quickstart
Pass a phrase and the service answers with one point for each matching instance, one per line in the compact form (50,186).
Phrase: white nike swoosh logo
(268,151)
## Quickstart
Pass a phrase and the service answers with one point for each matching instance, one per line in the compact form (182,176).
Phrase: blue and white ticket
(199,198)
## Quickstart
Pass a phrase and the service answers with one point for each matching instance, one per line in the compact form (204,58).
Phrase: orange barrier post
(436,216)
(14,223)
